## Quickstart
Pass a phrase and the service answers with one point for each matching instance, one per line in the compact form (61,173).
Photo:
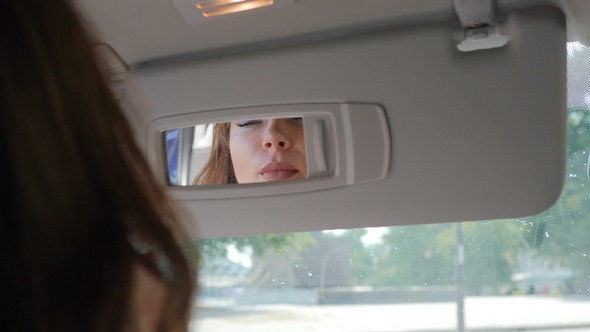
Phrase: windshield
(526,274)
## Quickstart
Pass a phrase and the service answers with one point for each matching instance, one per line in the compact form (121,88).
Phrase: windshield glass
(500,275)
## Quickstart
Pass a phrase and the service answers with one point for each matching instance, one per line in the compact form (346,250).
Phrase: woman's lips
(276,171)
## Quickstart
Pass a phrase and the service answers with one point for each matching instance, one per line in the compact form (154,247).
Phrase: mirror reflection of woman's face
(268,150)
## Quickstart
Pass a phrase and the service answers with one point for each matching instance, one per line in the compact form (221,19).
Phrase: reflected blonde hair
(219,168)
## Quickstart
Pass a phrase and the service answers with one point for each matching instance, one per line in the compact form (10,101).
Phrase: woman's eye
(300,120)
(247,123)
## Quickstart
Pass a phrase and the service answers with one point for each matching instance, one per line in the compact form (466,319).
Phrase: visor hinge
(480,31)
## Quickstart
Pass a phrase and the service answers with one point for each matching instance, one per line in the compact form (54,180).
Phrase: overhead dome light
(236,7)
(207,10)
(219,3)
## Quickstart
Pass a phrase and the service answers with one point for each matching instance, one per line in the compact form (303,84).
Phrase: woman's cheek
(243,153)
(148,297)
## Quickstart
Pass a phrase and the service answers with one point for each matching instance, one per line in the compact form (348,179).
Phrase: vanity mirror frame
(335,156)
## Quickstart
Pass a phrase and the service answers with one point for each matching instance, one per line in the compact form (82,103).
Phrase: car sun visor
(443,135)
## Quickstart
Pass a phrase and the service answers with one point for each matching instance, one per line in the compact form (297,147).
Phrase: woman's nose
(275,137)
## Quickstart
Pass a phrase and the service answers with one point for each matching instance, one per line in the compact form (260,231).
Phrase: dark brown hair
(219,168)
(74,186)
